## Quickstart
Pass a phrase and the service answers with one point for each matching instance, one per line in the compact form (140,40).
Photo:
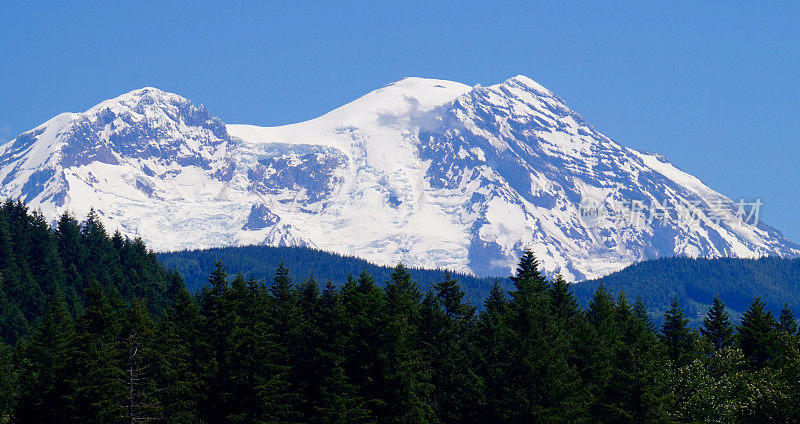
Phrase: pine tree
(48,378)
(756,334)
(364,318)
(408,395)
(9,380)
(101,390)
(640,312)
(535,344)
(786,321)
(340,402)
(676,335)
(141,361)
(492,334)
(306,357)
(449,336)
(181,341)
(565,305)
(284,323)
(717,327)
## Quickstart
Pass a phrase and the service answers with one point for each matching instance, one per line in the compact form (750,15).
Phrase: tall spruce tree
(676,335)
(717,327)
(450,323)
(786,321)
(535,344)
(181,342)
(9,380)
(492,335)
(365,316)
(100,387)
(141,360)
(756,334)
(340,400)
(408,389)
(48,378)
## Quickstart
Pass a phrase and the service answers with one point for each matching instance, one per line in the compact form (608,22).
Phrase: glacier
(427,172)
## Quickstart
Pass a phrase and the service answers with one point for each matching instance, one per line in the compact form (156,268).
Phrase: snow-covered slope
(433,173)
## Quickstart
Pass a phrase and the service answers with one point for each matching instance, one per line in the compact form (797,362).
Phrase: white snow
(504,165)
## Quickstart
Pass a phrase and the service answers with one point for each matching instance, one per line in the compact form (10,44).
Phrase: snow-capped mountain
(429,172)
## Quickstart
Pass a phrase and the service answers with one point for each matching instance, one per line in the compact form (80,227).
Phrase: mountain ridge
(434,173)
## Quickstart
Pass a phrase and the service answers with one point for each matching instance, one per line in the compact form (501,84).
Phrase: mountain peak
(523,81)
(430,172)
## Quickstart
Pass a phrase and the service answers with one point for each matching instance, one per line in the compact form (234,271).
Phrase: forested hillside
(36,261)
(697,281)
(260,262)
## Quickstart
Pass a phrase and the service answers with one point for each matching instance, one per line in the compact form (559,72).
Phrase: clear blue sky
(713,86)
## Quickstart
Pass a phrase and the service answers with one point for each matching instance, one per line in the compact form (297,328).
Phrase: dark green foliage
(677,336)
(697,281)
(36,260)
(259,262)
(757,334)
(407,382)
(786,321)
(717,328)
(9,382)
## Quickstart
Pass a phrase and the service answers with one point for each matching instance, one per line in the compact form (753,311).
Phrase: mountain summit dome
(430,172)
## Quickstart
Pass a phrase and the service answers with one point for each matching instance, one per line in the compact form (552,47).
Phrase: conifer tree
(364,317)
(306,357)
(676,335)
(535,343)
(756,334)
(101,391)
(408,389)
(492,335)
(786,321)
(565,305)
(458,389)
(181,341)
(340,402)
(640,312)
(717,327)
(141,361)
(48,378)
(9,376)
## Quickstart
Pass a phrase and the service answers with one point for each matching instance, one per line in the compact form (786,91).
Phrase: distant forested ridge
(695,282)
(260,262)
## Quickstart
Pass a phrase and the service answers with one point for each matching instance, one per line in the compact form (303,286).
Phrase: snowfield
(429,172)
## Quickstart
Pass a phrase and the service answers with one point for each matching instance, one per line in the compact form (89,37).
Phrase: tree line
(247,351)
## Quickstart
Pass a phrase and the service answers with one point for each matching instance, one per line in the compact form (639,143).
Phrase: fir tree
(492,335)
(756,334)
(141,360)
(786,321)
(364,316)
(458,389)
(101,391)
(717,327)
(9,389)
(408,389)
(48,380)
(340,402)
(181,342)
(676,335)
